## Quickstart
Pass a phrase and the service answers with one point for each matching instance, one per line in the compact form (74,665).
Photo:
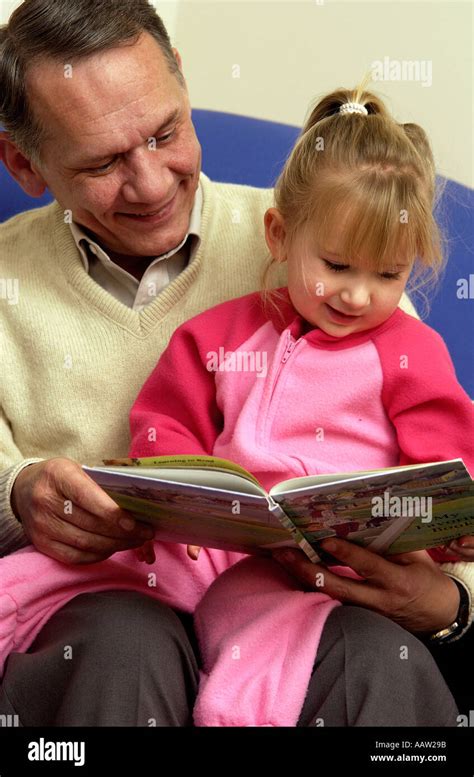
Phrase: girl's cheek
(316,284)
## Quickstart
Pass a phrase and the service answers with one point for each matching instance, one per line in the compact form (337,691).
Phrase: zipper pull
(289,347)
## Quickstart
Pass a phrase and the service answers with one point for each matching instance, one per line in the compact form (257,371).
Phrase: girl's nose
(356,296)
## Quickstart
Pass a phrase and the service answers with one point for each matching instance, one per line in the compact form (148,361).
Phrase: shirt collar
(82,239)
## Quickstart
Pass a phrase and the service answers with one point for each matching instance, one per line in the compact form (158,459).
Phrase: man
(95,108)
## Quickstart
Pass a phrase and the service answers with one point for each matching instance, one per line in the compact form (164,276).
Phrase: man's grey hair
(65,30)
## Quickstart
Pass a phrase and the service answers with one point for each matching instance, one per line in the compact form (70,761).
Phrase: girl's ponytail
(330,104)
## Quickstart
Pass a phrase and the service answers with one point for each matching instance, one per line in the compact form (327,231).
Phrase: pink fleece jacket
(239,383)
(380,400)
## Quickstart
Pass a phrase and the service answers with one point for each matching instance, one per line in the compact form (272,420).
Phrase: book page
(297,484)
(186,462)
(424,503)
(196,513)
(195,470)
(450,520)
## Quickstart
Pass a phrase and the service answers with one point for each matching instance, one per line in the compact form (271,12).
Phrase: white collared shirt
(160,272)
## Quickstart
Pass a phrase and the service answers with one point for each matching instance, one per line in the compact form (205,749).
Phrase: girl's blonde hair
(367,179)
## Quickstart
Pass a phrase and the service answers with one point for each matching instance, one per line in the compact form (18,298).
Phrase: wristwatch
(444,636)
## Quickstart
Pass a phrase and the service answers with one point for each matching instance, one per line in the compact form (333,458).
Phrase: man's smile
(155,216)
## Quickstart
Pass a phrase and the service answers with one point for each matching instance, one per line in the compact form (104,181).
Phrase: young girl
(347,381)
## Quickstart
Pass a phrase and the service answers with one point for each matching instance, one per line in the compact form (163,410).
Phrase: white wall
(289,52)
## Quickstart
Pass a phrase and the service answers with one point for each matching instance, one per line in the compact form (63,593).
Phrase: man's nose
(149,179)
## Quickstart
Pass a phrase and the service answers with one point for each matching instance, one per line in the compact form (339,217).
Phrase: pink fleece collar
(299,327)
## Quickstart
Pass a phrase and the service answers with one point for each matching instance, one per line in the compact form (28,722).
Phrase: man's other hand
(67,516)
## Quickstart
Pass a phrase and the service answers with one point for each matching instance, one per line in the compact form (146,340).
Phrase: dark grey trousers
(123,659)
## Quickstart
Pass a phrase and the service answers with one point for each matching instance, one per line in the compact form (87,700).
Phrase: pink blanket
(258,647)
(258,634)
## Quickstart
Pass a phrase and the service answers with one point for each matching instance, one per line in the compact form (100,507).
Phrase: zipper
(262,423)
(290,346)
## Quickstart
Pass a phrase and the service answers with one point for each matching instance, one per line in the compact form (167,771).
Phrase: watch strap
(457,628)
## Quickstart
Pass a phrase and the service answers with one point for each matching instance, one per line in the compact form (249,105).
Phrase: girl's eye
(335,267)
(391,276)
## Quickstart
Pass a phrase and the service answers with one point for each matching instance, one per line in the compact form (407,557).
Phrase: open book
(203,500)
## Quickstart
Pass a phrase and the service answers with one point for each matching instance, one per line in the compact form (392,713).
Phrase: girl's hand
(409,588)
(463,547)
(146,552)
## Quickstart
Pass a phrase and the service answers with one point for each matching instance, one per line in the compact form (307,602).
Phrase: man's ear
(178,59)
(275,234)
(20,168)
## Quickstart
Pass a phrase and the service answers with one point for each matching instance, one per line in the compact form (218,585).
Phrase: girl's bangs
(367,229)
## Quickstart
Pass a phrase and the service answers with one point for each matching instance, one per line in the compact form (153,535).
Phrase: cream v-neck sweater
(73,358)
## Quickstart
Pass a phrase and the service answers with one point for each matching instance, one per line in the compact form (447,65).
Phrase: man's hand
(67,516)
(463,547)
(409,588)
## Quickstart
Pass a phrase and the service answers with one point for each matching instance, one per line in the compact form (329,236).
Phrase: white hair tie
(353,108)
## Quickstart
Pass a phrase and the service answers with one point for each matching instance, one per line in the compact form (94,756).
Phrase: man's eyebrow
(169,119)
